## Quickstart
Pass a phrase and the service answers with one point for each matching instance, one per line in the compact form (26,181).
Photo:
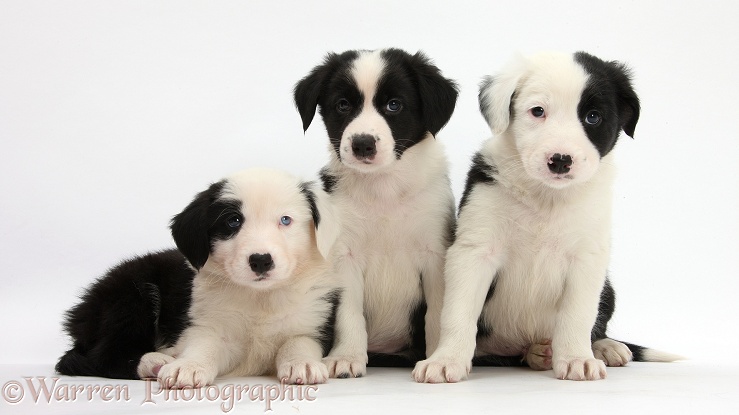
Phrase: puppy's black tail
(74,363)
(645,354)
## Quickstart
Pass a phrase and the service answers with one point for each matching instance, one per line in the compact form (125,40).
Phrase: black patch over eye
(537,112)
(593,117)
(393,106)
(234,221)
(343,106)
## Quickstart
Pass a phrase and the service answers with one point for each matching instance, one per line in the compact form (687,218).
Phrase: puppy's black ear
(190,227)
(628,101)
(325,219)
(438,94)
(308,90)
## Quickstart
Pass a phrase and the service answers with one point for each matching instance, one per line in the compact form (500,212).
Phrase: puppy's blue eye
(537,112)
(592,117)
(343,106)
(394,105)
(233,221)
(286,220)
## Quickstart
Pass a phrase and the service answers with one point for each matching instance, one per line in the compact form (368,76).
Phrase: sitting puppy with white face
(526,275)
(387,176)
(262,301)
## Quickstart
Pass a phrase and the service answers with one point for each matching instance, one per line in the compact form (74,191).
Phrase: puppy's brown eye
(343,106)
(537,112)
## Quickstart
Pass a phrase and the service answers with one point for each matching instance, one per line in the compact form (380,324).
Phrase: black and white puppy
(263,301)
(387,177)
(526,275)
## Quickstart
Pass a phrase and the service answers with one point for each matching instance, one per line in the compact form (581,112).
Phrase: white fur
(247,325)
(545,235)
(395,215)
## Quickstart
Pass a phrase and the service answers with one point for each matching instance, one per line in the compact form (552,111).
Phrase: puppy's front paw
(539,355)
(613,353)
(584,368)
(185,373)
(151,363)
(302,372)
(346,366)
(441,369)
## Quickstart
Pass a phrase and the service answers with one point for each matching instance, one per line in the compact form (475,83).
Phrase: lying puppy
(262,300)
(526,274)
(387,175)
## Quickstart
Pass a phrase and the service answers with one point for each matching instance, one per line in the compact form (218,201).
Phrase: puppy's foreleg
(299,362)
(468,273)
(348,358)
(572,355)
(433,290)
(204,354)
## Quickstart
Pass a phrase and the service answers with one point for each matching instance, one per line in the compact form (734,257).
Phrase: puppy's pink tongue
(156,369)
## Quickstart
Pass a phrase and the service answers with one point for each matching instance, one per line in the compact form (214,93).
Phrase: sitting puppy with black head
(263,301)
(387,176)
(526,275)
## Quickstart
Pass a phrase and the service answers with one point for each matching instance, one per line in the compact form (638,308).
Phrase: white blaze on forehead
(366,71)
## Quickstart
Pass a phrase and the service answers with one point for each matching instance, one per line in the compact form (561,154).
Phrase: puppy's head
(376,104)
(256,228)
(564,112)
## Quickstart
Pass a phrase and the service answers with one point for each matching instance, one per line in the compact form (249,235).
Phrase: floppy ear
(308,90)
(438,94)
(325,219)
(496,96)
(190,227)
(628,101)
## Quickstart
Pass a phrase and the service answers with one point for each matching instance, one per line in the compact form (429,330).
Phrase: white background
(114,114)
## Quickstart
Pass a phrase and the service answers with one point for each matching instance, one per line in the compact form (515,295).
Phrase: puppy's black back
(136,307)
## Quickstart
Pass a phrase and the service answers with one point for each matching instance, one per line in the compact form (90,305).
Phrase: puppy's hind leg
(150,363)
(538,356)
(612,352)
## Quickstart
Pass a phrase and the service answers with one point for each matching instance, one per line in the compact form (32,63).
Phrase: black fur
(202,219)
(609,92)
(480,172)
(328,180)
(326,332)
(310,199)
(137,306)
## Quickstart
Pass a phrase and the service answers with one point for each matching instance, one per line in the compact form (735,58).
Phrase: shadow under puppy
(262,301)
(527,273)
(387,176)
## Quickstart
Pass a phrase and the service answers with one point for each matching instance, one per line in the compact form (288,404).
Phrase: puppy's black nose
(363,146)
(560,163)
(261,263)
